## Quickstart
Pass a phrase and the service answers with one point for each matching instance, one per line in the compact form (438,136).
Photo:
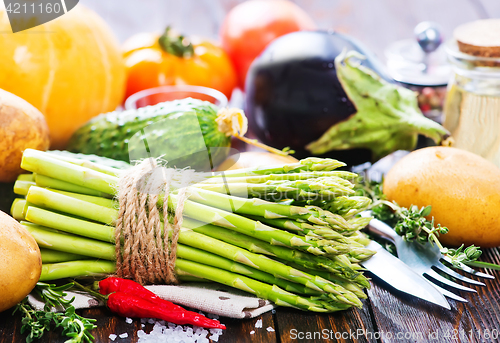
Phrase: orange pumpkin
(70,68)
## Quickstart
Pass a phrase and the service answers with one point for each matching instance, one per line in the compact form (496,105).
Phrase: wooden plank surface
(238,330)
(355,325)
(241,330)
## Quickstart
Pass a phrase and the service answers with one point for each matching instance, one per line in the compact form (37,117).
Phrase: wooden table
(385,317)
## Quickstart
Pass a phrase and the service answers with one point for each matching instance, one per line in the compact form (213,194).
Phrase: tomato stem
(176,44)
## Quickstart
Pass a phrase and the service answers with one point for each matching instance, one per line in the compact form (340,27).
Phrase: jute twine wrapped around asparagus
(144,255)
(279,243)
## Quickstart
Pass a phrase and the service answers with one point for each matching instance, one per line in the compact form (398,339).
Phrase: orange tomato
(152,61)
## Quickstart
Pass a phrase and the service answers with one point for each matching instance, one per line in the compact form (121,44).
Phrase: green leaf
(426,211)
(387,116)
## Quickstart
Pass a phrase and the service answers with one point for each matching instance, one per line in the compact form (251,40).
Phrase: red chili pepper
(129,305)
(114,284)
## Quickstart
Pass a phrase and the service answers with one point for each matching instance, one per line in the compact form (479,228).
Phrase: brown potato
(462,188)
(20,262)
(254,159)
(22,126)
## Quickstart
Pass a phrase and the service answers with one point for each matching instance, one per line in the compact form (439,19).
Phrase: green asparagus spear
(262,290)
(186,237)
(317,231)
(224,178)
(54,256)
(320,188)
(71,269)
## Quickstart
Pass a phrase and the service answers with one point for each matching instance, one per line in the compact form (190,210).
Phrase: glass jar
(472,107)
(425,74)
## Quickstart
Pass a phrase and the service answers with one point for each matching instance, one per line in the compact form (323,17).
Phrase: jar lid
(408,63)
(479,38)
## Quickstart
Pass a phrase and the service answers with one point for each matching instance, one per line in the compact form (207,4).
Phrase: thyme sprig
(458,256)
(52,295)
(35,323)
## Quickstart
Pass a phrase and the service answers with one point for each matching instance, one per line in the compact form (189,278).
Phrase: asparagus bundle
(242,228)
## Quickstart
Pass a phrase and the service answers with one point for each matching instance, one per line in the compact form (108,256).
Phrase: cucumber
(182,132)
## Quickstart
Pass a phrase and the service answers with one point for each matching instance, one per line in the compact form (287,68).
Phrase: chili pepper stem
(103,298)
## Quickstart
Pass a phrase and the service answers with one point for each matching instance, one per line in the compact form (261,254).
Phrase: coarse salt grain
(171,333)
(252,332)
(123,335)
(258,324)
(216,331)
(112,337)
(128,320)
(270,329)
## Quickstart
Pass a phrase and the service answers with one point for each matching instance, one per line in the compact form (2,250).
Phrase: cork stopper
(479,38)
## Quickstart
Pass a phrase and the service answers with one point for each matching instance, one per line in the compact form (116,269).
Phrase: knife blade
(396,273)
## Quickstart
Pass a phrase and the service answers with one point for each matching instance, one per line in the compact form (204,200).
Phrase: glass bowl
(156,95)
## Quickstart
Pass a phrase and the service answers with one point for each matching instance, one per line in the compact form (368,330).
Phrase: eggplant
(294,97)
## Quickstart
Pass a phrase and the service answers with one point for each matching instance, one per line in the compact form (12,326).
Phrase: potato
(254,159)
(20,262)
(462,188)
(22,126)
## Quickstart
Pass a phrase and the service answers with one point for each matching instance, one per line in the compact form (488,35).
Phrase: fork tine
(469,270)
(453,273)
(449,294)
(447,282)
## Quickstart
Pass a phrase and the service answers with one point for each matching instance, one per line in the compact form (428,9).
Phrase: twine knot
(146,245)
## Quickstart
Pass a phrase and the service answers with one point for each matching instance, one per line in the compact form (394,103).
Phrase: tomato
(250,26)
(153,60)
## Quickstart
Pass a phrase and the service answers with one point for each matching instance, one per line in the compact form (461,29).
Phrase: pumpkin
(69,68)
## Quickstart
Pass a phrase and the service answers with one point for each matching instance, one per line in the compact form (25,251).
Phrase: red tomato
(249,27)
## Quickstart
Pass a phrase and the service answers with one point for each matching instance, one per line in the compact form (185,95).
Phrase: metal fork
(425,260)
